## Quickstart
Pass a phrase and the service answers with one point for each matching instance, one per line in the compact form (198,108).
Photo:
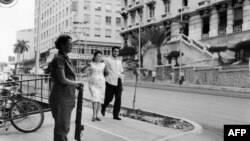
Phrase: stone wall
(229,77)
(215,77)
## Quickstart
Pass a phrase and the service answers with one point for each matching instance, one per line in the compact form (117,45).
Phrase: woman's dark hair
(115,47)
(97,52)
(62,39)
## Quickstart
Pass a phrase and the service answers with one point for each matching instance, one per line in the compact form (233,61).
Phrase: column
(214,21)
(230,21)
(246,15)
(195,27)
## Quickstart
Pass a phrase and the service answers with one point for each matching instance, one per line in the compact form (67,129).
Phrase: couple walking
(103,90)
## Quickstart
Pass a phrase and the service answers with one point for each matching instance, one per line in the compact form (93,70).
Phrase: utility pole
(139,49)
(38,37)
(180,62)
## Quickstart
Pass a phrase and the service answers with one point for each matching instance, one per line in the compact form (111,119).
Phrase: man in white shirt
(113,83)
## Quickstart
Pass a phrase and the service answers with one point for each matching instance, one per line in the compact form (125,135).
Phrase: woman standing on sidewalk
(96,83)
(62,96)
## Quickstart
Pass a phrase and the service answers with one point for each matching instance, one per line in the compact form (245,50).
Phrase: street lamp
(180,62)
(139,46)
(139,50)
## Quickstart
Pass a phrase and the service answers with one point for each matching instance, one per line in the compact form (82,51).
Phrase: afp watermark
(7,3)
(236,132)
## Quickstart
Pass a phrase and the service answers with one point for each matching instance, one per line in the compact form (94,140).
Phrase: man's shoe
(98,119)
(117,118)
(103,112)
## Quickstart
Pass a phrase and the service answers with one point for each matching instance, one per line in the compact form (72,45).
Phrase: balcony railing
(124,10)
(183,10)
(222,31)
(124,28)
(218,1)
(138,2)
(237,28)
(166,15)
(204,36)
(135,5)
(151,20)
(150,1)
(204,3)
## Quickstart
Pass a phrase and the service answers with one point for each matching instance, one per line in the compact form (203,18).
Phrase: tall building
(27,35)
(93,24)
(203,23)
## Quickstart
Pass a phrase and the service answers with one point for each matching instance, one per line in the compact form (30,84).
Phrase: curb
(200,89)
(197,128)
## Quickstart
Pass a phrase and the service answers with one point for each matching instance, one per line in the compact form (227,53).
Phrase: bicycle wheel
(26,116)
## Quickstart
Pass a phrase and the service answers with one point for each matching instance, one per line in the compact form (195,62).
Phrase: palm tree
(20,47)
(157,36)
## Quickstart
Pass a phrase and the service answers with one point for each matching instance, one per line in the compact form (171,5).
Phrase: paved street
(212,112)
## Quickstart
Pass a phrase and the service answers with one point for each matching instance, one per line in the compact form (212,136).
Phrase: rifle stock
(79,127)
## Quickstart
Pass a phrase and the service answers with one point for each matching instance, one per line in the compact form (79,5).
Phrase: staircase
(197,45)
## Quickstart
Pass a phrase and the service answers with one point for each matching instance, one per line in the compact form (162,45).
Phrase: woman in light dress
(96,83)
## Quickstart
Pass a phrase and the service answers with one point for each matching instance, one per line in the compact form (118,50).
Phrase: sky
(18,17)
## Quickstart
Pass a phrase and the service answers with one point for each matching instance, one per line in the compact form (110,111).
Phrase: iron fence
(39,84)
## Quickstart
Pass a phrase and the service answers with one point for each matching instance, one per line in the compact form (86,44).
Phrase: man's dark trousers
(110,92)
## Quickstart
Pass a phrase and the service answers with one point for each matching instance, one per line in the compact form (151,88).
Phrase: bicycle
(24,114)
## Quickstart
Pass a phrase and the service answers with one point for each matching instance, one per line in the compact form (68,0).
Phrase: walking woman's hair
(95,54)
(62,39)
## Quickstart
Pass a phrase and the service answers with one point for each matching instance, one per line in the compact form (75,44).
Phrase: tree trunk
(159,56)
(141,60)
(23,60)
(169,60)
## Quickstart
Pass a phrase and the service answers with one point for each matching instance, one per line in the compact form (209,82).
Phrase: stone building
(203,23)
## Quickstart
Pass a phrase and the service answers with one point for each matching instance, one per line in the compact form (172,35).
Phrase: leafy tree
(20,47)
(128,52)
(175,55)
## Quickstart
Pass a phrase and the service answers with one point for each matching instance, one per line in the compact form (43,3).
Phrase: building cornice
(83,42)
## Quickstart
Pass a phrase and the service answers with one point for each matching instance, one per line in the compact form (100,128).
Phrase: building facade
(93,24)
(27,35)
(205,22)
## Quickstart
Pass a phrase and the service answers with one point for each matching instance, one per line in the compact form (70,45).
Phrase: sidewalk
(105,130)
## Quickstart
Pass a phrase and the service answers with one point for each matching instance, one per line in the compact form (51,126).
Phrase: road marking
(127,139)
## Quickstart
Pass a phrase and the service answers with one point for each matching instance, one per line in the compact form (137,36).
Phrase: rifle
(79,127)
